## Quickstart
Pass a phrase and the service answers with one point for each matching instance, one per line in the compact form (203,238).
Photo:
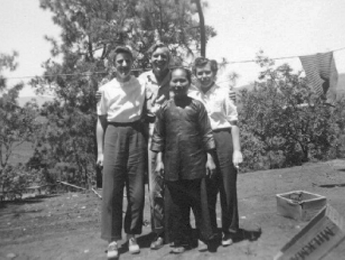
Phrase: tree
(17,125)
(90,30)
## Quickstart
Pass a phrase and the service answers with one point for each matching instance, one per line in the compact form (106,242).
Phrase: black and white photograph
(172,129)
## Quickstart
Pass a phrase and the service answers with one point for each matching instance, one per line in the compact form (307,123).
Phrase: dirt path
(67,226)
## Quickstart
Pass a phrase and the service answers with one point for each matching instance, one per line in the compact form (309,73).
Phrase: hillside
(340,86)
(39,99)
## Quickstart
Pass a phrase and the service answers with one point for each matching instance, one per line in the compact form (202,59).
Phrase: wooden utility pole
(202,29)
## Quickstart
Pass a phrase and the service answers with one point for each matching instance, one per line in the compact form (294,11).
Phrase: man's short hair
(201,62)
(157,45)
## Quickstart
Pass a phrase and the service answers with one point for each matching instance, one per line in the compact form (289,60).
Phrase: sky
(278,27)
(23,25)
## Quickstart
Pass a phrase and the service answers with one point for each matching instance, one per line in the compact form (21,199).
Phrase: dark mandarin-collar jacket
(184,135)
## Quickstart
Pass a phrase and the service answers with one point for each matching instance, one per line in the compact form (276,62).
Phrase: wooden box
(300,205)
(317,239)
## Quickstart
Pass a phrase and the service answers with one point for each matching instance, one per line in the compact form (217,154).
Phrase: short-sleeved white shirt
(220,109)
(122,102)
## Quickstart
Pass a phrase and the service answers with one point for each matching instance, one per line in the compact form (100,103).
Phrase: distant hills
(340,88)
(40,100)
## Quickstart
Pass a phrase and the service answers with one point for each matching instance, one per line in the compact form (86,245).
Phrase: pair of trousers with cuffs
(180,197)
(156,195)
(224,182)
(156,191)
(125,156)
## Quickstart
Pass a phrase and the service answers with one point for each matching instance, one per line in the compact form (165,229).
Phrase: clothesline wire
(103,72)
(283,58)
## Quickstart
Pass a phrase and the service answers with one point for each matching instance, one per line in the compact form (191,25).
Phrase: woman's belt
(226,129)
(134,123)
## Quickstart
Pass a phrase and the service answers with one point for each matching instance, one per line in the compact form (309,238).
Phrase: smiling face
(160,59)
(179,82)
(123,63)
(205,76)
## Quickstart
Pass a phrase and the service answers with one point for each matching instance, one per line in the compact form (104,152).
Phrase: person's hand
(232,95)
(156,104)
(210,167)
(100,158)
(160,169)
(98,95)
(237,158)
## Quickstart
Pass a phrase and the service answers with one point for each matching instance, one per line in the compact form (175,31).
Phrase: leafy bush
(283,123)
(17,127)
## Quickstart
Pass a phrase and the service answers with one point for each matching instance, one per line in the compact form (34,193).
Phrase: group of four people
(193,140)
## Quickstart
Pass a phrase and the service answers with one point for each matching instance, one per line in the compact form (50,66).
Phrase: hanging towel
(322,74)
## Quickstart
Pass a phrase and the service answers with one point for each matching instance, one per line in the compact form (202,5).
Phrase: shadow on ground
(332,185)
(243,234)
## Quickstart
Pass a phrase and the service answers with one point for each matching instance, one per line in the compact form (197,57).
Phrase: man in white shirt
(156,83)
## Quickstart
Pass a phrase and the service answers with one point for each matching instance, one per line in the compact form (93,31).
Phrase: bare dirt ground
(67,226)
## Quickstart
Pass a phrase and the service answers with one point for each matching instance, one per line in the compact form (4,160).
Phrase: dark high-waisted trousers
(180,197)
(125,155)
(225,183)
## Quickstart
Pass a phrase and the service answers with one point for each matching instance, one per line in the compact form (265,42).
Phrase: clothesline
(103,72)
(281,58)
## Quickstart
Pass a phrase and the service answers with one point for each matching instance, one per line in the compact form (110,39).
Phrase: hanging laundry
(322,74)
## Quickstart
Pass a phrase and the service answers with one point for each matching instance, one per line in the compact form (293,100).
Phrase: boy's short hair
(188,72)
(201,62)
(120,49)
(157,45)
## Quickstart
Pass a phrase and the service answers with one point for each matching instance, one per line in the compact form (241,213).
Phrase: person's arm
(150,112)
(158,137)
(232,117)
(208,140)
(158,141)
(205,128)
(100,130)
(159,164)
(237,157)
(210,164)
(98,94)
